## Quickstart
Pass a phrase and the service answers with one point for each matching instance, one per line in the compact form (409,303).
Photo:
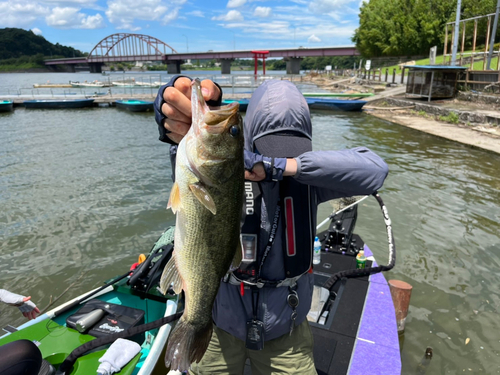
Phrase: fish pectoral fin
(202,194)
(170,276)
(238,256)
(174,202)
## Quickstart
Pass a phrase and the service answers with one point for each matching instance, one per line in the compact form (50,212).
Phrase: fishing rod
(339,211)
(88,295)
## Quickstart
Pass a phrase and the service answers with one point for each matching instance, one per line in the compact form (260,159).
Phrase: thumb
(26,299)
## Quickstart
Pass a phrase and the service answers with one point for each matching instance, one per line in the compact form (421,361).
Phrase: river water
(83,193)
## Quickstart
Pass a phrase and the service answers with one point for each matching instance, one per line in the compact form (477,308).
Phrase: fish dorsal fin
(170,276)
(202,194)
(174,202)
(238,256)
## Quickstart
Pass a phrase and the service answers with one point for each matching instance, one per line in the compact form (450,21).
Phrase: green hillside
(15,43)
(21,50)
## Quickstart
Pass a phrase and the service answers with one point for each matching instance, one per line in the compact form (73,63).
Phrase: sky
(189,25)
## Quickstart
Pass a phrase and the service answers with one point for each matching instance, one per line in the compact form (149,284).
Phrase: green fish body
(207,198)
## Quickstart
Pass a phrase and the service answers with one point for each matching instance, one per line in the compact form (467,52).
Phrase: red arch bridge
(137,47)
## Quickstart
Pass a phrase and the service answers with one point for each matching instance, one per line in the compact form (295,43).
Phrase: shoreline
(477,116)
(454,132)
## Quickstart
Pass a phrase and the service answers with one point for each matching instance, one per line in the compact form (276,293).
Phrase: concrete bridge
(138,47)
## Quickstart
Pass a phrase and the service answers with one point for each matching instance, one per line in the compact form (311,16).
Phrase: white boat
(88,84)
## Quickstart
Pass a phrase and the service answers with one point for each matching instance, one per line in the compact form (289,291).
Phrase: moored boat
(337,94)
(242,102)
(352,318)
(58,103)
(6,105)
(335,104)
(51,85)
(133,105)
(88,84)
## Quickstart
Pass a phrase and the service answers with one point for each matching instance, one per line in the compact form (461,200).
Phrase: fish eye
(234,131)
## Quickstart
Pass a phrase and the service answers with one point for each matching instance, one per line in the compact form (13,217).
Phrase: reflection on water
(84,192)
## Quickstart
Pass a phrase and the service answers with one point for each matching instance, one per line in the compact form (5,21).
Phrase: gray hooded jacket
(276,106)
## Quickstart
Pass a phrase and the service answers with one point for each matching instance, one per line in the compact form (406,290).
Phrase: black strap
(67,365)
(372,270)
(255,301)
(272,235)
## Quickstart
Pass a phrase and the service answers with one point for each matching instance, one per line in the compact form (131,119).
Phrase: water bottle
(360,260)
(317,251)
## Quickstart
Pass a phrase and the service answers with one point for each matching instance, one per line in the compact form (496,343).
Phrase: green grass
(478,65)
(23,66)
(451,118)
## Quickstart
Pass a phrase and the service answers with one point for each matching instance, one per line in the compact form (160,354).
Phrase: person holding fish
(247,279)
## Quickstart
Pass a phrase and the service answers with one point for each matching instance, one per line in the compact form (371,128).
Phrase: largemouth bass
(207,198)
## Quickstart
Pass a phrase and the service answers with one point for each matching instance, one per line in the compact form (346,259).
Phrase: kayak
(335,104)
(56,340)
(242,102)
(133,105)
(352,316)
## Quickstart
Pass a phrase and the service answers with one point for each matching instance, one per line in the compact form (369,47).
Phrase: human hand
(258,173)
(28,308)
(177,106)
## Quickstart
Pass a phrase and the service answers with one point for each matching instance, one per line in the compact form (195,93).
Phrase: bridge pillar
(174,66)
(293,65)
(96,67)
(225,65)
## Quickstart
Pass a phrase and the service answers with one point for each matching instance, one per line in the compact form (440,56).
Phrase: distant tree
(277,64)
(411,27)
(15,43)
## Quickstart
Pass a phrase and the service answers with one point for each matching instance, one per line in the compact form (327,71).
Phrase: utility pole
(492,40)
(455,35)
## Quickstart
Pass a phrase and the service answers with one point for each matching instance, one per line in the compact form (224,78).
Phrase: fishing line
(339,211)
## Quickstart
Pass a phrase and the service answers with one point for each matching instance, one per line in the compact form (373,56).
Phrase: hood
(276,107)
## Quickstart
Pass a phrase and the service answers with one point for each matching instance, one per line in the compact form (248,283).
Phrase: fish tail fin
(187,344)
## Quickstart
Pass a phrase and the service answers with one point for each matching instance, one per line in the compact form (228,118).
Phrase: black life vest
(295,213)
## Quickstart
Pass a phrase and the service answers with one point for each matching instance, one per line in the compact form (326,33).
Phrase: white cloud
(262,12)
(169,17)
(87,3)
(235,3)
(196,13)
(231,16)
(123,13)
(328,6)
(21,14)
(71,18)
(36,31)
(313,39)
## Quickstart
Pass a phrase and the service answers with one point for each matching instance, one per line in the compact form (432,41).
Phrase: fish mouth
(213,121)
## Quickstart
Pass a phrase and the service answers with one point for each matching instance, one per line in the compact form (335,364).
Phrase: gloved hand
(27,308)
(259,167)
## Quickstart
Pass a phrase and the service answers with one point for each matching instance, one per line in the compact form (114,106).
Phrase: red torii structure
(263,56)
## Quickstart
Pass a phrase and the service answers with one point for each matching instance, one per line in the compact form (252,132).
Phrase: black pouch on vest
(117,318)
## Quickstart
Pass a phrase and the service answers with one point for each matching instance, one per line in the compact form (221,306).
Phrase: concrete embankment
(453,120)
(471,118)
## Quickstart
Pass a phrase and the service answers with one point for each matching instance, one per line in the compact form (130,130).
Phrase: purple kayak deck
(377,343)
